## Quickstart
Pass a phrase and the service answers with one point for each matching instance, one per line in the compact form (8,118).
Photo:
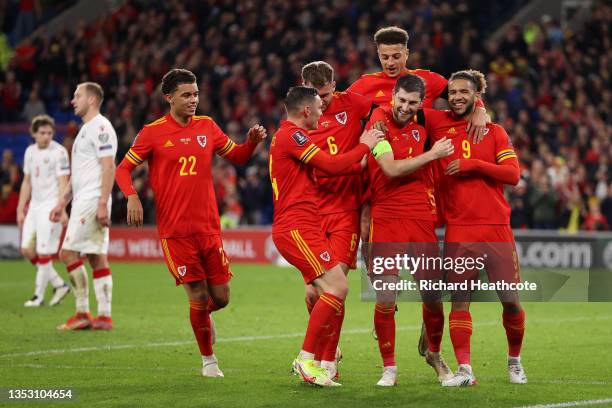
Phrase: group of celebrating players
(374,163)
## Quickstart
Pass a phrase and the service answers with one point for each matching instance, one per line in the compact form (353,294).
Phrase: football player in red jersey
(179,148)
(392,48)
(296,229)
(477,218)
(339,197)
(404,217)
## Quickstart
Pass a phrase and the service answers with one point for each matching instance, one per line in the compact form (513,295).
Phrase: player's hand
(64,218)
(256,134)
(20,218)
(477,126)
(454,168)
(380,125)
(56,213)
(371,137)
(102,216)
(443,148)
(134,211)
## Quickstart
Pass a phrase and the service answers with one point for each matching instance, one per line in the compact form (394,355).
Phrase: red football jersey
(180,173)
(470,199)
(378,86)
(412,196)
(293,188)
(338,132)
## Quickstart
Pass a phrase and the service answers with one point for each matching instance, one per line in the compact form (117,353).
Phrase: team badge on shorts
(325,256)
(341,118)
(182,270)
(201,140)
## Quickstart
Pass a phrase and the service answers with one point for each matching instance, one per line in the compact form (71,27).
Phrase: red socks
(515,329)
(434,326)
(460,324)
(329,353)
(200,323)
(323,321)
(384,324)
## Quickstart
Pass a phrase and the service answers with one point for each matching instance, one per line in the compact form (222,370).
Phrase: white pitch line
(571,404)
(111,347)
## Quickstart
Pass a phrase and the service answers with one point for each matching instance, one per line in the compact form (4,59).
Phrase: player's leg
(28,250)
(103,288)
(199,317)
(80,287)
(513,318)
(48,236)
(308,251)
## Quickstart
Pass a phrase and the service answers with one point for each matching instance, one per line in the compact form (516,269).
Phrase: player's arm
(25,193)
(347,163)
(505,169)
(383,153)
(134,157)
(107,163)
(64,199)
(240,154)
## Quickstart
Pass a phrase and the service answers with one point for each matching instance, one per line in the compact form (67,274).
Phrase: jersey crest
(341,118)
(416,135)
(201,140)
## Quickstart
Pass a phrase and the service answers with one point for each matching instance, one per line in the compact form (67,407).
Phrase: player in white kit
(46,169)
(93,173)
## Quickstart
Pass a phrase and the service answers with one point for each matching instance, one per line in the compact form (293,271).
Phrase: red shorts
(493,244)
(342,233)
(417,238)
(196,258)
(307,250)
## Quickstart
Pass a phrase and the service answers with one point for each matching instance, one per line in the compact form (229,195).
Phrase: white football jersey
(96,139)
(44,166)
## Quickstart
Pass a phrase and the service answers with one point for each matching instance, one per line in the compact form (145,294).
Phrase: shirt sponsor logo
(300,138)
(105,147)
(182,270)
(168,143)
(416,135)
(201,140)
(185,140)
(379,94)
(341,118)
(452,130)
(325,256)
(325,123)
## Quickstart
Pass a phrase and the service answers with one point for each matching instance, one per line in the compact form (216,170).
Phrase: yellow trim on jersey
(131,160)
(156,122)
(504,154)
(229,146)
(134,158)
(201,117)
(305,250)
(309,153)
(169,258)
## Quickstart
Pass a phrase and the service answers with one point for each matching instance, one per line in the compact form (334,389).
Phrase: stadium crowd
(548,87)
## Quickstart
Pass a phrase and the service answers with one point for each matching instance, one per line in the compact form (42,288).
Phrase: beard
(469,108)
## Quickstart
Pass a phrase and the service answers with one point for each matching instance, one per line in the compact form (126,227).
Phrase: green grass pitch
(151,358)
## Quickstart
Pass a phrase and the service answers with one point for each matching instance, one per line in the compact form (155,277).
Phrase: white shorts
(40,233)
(84,234)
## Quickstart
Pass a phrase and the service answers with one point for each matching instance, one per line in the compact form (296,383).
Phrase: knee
(512,307)
(67,257)
(341,289)
(221,300)
(434,307)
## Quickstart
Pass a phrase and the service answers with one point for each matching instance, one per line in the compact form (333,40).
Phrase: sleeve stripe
(135,155)
(308,149)
(311,155)
(501,152)
(229,146)
(134,162)
(508,156)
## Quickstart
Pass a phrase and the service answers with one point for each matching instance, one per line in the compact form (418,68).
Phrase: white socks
(78,279)
(103,287)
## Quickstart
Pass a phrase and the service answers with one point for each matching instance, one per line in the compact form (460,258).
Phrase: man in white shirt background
(92,178)
(46,171)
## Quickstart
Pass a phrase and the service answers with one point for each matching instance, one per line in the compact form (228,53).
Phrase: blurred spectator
(9,187)
(595,221)
(606,206)
(33,106)
(543,199)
